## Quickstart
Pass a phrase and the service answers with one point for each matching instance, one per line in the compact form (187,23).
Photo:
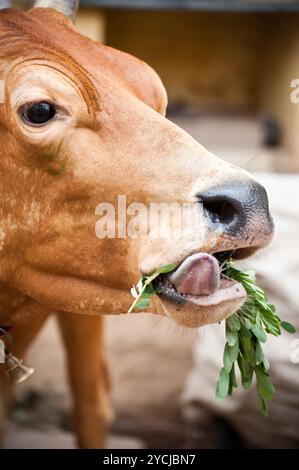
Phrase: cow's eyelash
(59,109)
(29,104)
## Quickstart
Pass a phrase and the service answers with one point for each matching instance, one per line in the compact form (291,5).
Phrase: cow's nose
(239,208)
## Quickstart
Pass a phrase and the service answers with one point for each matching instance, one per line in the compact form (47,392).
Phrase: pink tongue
(197,275)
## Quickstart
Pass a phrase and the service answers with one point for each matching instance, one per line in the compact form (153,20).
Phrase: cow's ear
(153,89)
(139,77)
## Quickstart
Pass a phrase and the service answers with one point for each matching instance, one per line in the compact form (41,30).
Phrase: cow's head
(81,124)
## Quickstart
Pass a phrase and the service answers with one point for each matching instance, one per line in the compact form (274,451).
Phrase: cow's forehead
(44,29)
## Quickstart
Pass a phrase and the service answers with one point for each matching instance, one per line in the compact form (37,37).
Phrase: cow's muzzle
(241,212)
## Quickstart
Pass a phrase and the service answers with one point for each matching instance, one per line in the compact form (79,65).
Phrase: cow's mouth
(199,280)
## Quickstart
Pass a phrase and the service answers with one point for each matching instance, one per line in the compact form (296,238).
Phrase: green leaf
(149,290)
(144,295)
(142,303)
(227,361)
(230,387)
(259,355)
(233,323)
(263,383)
(233,351)
(259,332)
(247,382)
(288,327)
(231,336)
(270,321)
(249,311)
(263,406)
(247,377)
(246,372)
(166,269)
(247,323)
(247,348)
(134,292)
(232,377)
(222,384)
(244,333)
(139,285)
(266,363)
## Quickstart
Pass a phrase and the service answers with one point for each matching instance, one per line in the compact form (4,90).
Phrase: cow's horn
(67,7)
(5,4)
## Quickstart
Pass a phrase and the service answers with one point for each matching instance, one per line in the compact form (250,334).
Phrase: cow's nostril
(241,209)
(220,211)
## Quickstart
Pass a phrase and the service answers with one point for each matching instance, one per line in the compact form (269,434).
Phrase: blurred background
(227,66)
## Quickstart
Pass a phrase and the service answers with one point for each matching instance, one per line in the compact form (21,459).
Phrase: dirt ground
(149,356)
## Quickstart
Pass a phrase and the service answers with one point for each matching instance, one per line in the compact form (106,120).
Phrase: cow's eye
(38,113)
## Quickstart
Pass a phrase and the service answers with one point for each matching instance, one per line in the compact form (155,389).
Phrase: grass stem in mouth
(145,290)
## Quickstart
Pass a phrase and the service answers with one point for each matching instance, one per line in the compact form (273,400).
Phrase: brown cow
(81,123)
